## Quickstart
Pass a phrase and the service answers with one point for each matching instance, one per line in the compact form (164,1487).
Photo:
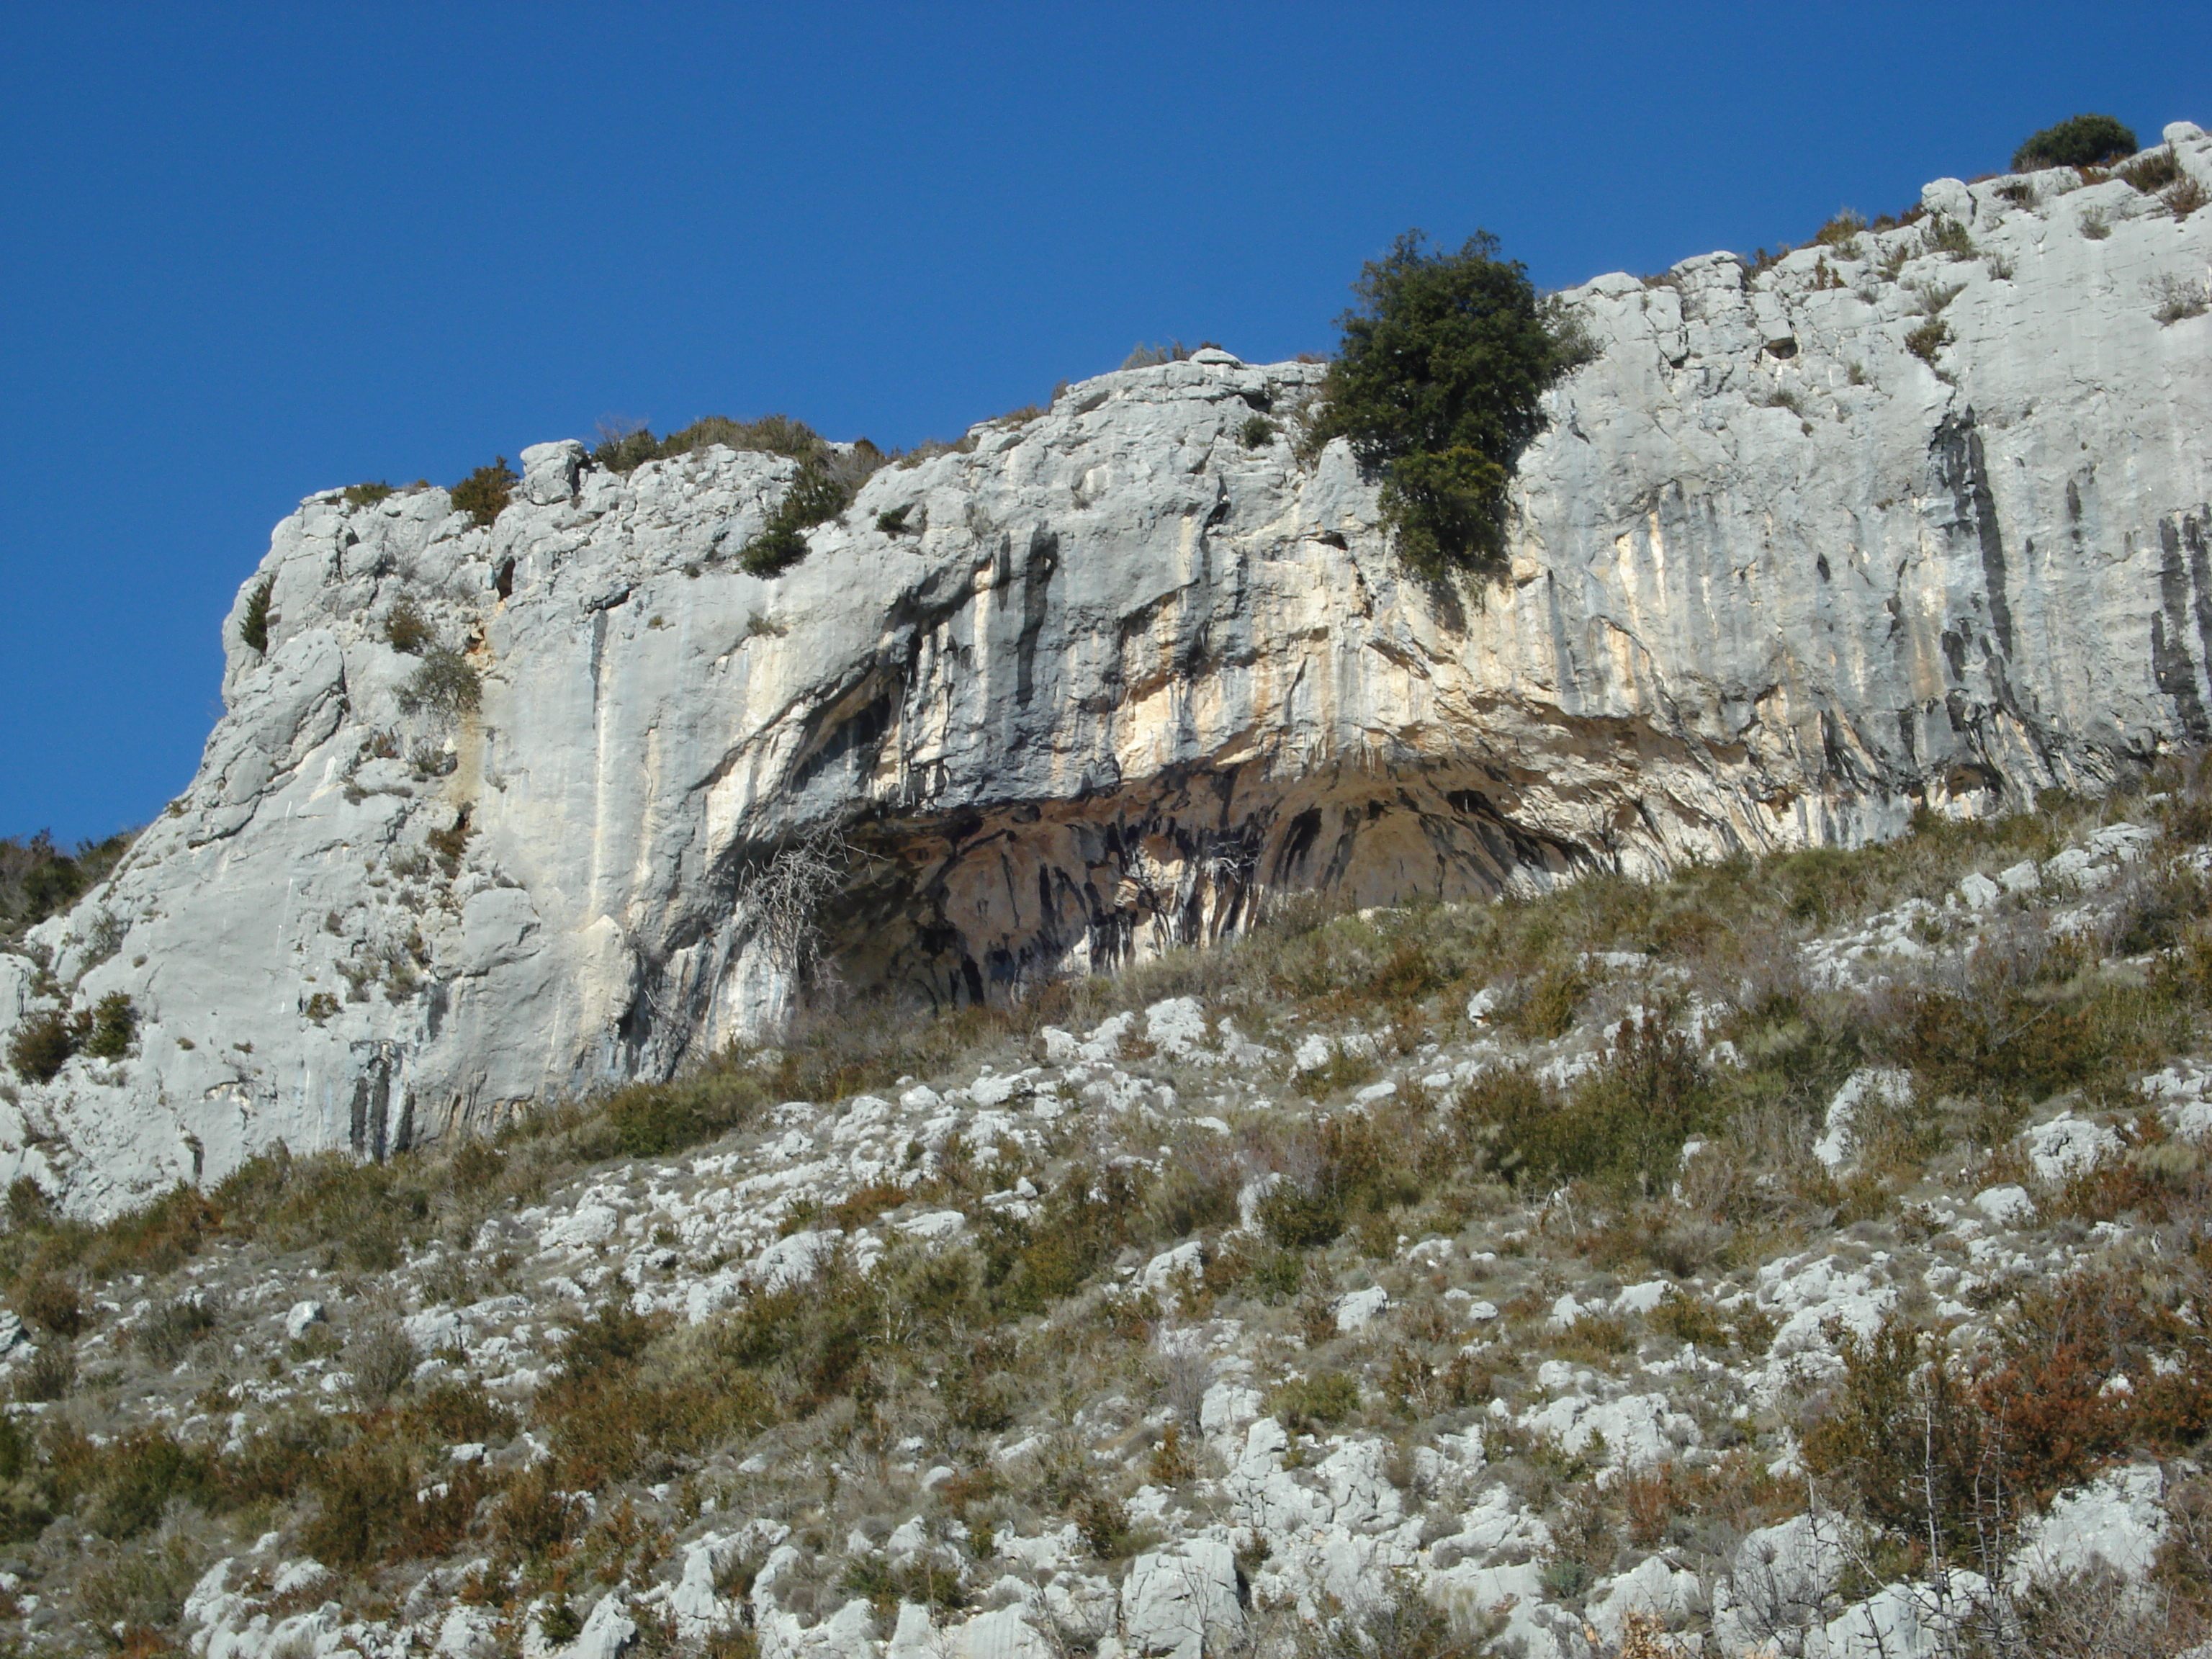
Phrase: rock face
(1119,680)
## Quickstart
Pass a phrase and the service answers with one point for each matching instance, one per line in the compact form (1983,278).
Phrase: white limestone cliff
(1120,680)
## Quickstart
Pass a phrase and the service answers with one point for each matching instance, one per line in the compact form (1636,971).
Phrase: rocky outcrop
(1121,678)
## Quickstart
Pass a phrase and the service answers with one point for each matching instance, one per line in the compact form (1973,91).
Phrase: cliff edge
(1916,520)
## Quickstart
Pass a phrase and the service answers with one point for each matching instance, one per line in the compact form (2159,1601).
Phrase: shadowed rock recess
(1119,681)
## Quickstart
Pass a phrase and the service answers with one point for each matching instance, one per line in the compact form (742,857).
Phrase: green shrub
(1930,337)
(485,494)
(1947,237)
(815,496)
(115,1027)
(41,1046)
(366,495)
(253,631)
(134,1478)
(893,521)
(1318,1401)
(650,1119)
(406,630)
(772,434)
(1622,1123)
(1257,432)
(2081,141)
(445,684)
(1436,385)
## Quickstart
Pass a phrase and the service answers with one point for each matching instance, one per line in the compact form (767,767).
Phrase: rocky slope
(808,1392)
(1122,679)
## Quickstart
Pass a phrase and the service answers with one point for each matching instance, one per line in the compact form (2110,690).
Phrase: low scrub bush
(1841,233)
(406,630)
(1257,432)
(1947,237)
(366,494)
(815,496)
(486,493)
(1336,1171)
(49,1374)
(650,1119)
(1930,337)
(2178,298)
(50,1301)
(41,1045)
(381,1358)
(1142,355)
(37,878)
(1322,1400)
(625,451)
(2081,141)
(445,684)
(1620,1125)
(173,1327)
(2154,170)
(112,1027)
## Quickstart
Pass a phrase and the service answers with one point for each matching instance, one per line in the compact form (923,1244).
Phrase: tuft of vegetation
(1930,337)
(40,1046)
(366,494)
(112,1028)
(1142,355)
(2079,141)
(1257,432)
(253,629)
(1841,233)
(2178,298)
(624,449)
(892,521)
(815,496)
(1947,237)
(486,493)
(445,684)
(1436,385)
(43,1042)
(38,879)
(406,630)
(2184,197)
(2154,170)
(1319,1401)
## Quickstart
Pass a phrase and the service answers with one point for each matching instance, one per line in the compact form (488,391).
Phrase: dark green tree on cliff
(1436,385)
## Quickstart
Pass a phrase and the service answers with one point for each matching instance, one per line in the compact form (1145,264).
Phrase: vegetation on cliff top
(1435,384)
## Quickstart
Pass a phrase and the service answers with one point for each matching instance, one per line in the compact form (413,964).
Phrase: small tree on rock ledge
(1436,385)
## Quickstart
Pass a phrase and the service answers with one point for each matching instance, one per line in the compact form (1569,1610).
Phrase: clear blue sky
(252,252)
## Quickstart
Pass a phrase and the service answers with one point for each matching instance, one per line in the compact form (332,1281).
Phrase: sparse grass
(2178,298)
(2152,171)
(1025,1322)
